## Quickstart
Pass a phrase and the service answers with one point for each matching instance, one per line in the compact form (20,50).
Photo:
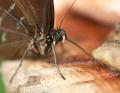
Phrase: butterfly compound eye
(59,36)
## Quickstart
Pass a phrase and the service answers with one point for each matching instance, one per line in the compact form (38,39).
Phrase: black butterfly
(33,28)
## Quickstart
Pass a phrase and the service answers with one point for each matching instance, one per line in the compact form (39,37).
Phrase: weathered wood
(109,52)
(42,77)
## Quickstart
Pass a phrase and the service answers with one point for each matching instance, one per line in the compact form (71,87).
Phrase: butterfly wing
(13,36)
(27,9)
(48,16)
(38,13)
(23,16)
(32,11)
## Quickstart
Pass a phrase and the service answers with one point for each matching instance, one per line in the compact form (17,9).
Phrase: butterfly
(32,24)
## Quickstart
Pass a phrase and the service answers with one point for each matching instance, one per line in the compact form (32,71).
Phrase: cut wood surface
(42,77)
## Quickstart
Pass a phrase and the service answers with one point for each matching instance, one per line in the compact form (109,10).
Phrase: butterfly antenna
(81,49)
(61,21)
(15,73)
(56,64)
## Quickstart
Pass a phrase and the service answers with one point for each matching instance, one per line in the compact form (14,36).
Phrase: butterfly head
(59,36)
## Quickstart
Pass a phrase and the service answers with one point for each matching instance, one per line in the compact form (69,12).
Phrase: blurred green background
(2,86)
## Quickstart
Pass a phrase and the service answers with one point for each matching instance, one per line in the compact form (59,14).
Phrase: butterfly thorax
(42,44)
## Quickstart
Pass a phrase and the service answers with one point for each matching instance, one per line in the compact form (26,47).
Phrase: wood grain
(42,77)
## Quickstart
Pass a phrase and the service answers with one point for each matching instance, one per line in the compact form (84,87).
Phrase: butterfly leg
(56,64)
(18,50)
(5,13)
(21,62)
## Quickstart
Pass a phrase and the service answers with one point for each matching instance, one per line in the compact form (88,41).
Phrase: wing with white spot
(13,33)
